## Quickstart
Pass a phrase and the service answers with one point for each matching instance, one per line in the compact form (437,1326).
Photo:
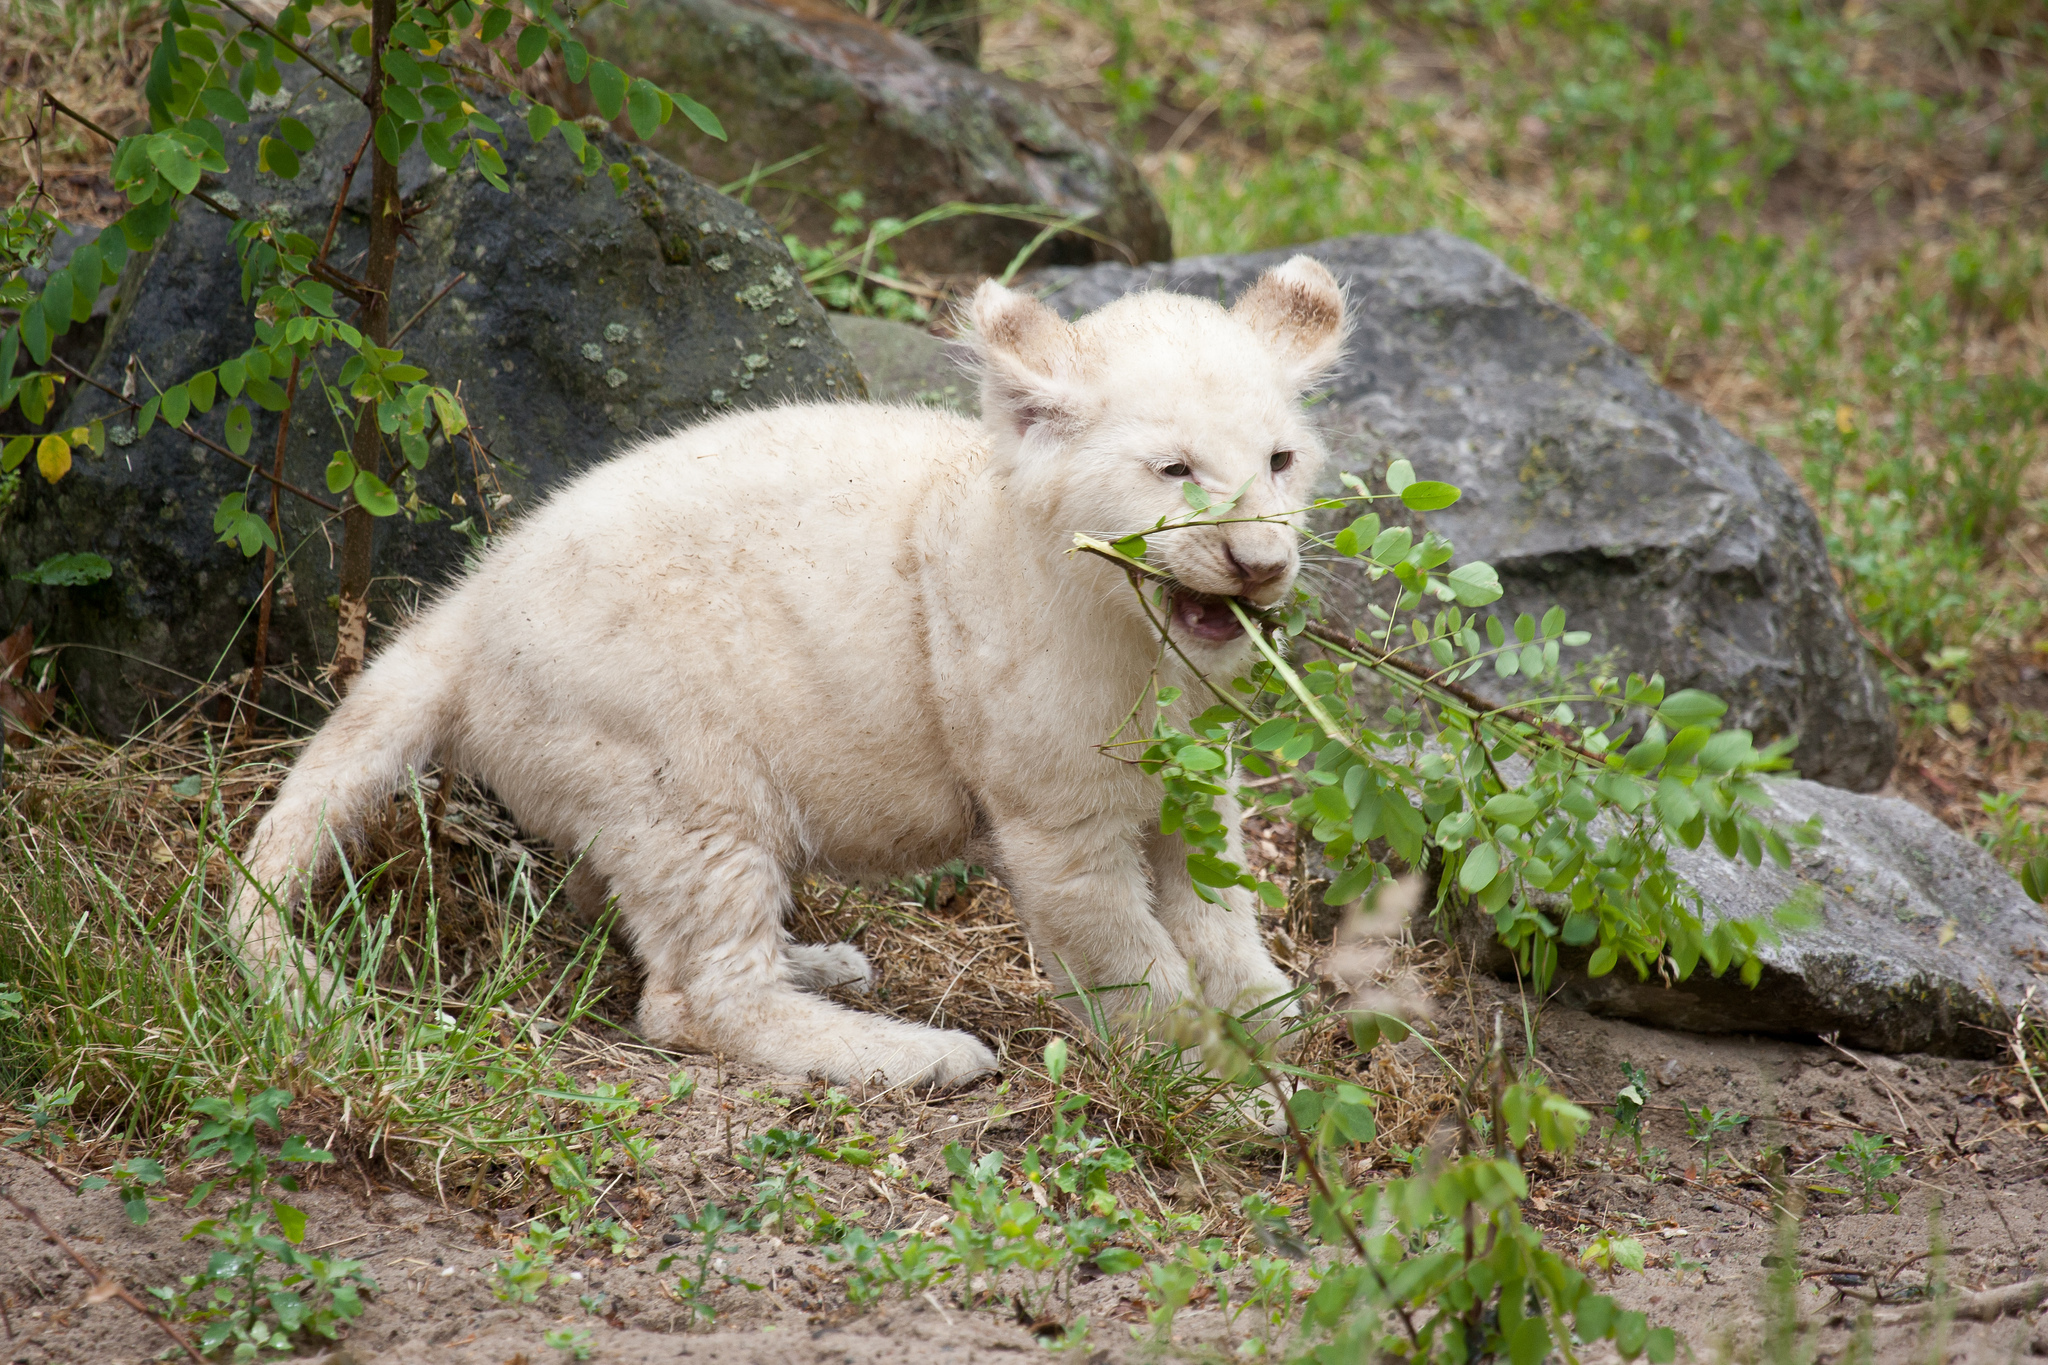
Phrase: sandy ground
(1976,1184)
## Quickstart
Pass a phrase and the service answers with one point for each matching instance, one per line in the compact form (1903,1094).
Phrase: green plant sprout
(693,1287)
(1870,1159)
(259,1291)
(1703,1125)
(1628,1105)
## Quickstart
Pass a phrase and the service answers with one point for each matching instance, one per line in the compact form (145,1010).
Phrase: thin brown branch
(301,53)
(440,294)
(263,610)
(103,1284)
(348,178)
(131,405)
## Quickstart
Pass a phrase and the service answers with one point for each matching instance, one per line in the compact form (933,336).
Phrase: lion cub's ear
(1298,310)
(1029,359)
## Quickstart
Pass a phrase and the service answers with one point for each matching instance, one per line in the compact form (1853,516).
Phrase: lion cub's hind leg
(705,909)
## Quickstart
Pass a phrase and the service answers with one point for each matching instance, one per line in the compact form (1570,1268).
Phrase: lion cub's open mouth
(1205,617)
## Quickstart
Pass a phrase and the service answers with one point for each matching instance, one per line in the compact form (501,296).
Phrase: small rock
(1668,1074)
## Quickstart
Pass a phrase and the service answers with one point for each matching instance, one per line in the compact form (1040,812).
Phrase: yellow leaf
(1948,931)
(53,457)
(1845,419)
(1959,717)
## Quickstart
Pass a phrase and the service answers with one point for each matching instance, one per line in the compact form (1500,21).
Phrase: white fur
(850,639)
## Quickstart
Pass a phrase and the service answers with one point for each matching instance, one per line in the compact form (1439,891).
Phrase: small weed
(573,1342)
(259,1291)
(1628,1105)
(693,1288)
(527,1270)
(1870,1159)
(1703,1125)
(49,1117)
(1610,1252)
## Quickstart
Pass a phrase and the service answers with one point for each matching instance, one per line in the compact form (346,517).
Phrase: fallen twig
(104,1286)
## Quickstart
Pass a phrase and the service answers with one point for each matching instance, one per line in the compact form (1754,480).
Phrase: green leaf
(403,103)
(1482,865)
(1273,734)
(1399,475)
(496,20)
(1428,495)
(274,158)
(238,428)
(1603,960)
(290,1220)
(1391,546)
(644,108)
(1118,1261)
(1724,751)
(1353,883)
(201,387)
(297,134)
(575,60)
(706,121)
(539,119)
(1475,584)
(533,42)
(1194,495)
(57,301)
(1691,707)
(1511,808)
(232,374)
(341,472)
(68,571)
(226,104)
(607,88)
(177,405)
(374,495)
(387,138)
(146,418)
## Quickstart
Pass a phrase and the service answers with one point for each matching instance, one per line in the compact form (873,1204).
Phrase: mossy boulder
(582,321)
(884,115)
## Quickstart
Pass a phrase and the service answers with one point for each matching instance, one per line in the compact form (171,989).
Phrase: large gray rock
(1925,945)
(904,364)
(883,115)
(585,321)
(1682,548)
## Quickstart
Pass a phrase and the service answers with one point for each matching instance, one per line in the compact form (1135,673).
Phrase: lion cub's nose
(1257,573)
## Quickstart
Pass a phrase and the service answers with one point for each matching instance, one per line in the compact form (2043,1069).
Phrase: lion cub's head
(1099,422)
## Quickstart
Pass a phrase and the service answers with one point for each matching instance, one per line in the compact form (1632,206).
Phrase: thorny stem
(380,267)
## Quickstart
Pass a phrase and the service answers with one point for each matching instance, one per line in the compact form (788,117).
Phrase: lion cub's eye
(1177,470)
(1282,461)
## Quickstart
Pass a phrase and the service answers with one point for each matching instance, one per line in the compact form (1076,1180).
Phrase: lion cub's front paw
(928,1059)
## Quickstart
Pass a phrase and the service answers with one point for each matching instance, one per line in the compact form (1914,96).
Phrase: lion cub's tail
(392,723)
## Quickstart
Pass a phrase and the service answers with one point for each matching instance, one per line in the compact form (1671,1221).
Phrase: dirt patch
(1976,1147)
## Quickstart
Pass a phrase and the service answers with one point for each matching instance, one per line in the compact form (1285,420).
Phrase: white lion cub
(851,639)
